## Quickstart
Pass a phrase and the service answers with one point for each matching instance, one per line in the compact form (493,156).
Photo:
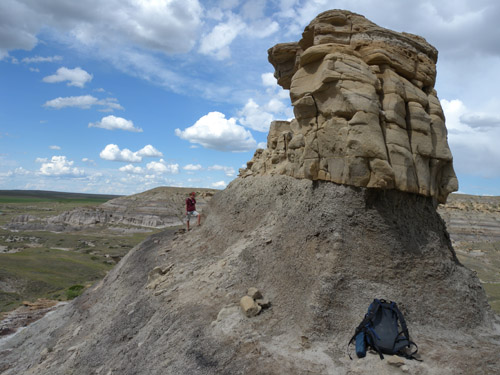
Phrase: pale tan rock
(396,361)
(366,112)
(249,307)
(254,293)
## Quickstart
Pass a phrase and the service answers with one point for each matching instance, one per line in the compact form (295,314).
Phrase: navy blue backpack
(384,330)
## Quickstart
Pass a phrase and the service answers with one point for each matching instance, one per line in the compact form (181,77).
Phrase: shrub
(74,291)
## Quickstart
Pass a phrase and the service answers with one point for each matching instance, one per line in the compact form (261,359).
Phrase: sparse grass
(43,273)
(487,267)
(53,265)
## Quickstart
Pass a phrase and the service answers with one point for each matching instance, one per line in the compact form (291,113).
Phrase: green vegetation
(40,264)
(74,291)
(46,273)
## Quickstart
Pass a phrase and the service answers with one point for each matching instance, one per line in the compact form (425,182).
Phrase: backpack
(384,330)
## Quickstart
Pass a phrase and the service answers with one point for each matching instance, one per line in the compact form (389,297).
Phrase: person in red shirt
(191,208)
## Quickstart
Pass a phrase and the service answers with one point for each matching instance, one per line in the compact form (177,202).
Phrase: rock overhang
(366,112)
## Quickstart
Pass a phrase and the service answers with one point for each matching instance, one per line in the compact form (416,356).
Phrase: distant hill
(160,207)
(54,195)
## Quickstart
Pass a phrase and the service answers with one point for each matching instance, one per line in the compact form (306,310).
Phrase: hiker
(191,208)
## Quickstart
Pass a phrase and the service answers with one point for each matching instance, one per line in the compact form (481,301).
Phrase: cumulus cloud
(169,26)
(215,132)
(259,118)
(473,139)
(75,77)
(41,59)
(41,160)
(162,167)
(60,166)
(129,168)
(113,123)
(192,167)
(481,121)
(229,171)
(149,151)
(113,153)
(54,147)
(83,102)
(21,171)
(268,79)
(219,185)
(254,117)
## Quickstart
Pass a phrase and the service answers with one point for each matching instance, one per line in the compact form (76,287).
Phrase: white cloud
(41,160)
(162,167)
(83,102)
(54,147)
(129,168)
(481,121)
(113,153)
(255,117)
(41,59)
(219,185)
(75,77)
(473,139)
(19,171)
(216,42)
(192,167)
(112,123)
(60,166)
(261,145)
(88,161)
(149,151)
(215,132)
(269,80)
(170,26)
(262,28)
(229,171)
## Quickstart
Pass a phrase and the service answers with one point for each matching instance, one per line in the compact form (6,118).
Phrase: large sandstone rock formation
(366,112)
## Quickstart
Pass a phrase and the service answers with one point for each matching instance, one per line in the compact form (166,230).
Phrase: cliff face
(366,112)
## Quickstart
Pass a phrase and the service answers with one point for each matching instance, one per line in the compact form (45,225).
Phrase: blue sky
(121,96)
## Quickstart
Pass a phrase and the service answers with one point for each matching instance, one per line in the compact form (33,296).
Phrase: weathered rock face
(366,112)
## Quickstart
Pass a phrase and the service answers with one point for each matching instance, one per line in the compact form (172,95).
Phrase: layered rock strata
(366,112)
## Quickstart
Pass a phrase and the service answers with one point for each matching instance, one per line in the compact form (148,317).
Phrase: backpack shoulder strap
(402,321)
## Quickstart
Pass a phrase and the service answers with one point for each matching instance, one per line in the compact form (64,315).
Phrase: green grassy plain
(46,273)
(42,264)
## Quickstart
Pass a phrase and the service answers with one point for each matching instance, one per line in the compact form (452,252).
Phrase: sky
(121,96)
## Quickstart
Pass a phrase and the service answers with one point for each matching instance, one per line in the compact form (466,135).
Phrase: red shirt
(190,204)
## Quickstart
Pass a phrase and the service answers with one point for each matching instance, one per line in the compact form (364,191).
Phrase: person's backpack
(384,330)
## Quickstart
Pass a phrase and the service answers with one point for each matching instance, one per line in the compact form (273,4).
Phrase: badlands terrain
(339,209)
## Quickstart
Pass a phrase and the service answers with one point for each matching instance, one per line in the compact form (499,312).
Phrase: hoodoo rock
(339,210)
(366,112)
